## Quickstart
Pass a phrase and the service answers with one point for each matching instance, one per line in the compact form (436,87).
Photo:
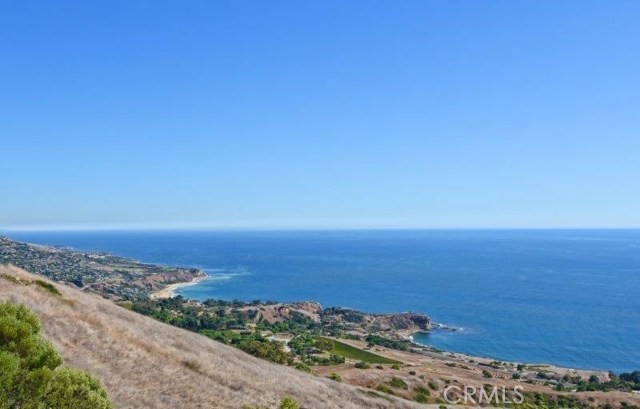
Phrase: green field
(350,352)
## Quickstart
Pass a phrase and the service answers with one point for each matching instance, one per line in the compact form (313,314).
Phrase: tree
(30,377)
(73,389)
(324,344)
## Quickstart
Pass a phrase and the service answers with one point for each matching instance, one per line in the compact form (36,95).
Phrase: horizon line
(212,228)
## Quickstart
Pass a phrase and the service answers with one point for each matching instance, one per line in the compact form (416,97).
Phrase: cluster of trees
(236,303)
(386,342)
(308,344)
(227,322)
(624,382)
(313,350)
(632,377)
(252,343)
(31,372)
(194,317)
(223,321)
(535,400)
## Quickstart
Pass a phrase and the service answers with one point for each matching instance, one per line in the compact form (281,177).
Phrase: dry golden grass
(147,364)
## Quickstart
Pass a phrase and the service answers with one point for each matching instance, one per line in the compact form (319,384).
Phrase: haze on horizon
(320,115)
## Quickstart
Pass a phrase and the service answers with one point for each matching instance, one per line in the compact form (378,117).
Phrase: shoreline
(408,335)
(169,290)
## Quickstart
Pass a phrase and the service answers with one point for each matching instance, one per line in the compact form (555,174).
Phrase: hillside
(146,364)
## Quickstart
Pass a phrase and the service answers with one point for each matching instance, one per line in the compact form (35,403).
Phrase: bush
(385,389)
(30,375)
(362,365)
(398,383)
(335,377)
(486,374)
(303,367)
(422,398)
(49,287)
(288,403)
(324,344)
(73,388)
(423,391)
(542,375)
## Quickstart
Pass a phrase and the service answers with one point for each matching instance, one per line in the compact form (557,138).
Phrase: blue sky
(248,114)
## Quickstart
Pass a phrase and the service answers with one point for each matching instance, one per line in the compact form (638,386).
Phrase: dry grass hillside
(146,364)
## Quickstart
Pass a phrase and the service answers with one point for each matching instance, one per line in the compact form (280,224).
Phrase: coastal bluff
(349,320)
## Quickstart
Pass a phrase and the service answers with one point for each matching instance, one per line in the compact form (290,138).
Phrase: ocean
(564,297)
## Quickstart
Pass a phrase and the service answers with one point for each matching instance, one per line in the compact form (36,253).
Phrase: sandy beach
(169,290)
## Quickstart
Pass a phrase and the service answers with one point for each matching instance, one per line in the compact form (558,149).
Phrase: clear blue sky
(259,114)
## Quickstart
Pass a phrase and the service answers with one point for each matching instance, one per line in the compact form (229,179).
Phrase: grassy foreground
(134,356)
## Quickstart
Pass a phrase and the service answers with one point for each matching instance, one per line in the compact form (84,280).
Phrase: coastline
(408,335)
(169,290)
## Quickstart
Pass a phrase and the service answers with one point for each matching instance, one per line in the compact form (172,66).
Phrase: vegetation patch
(192,365)
(10,278)
(286,403)
(350,352)
(31,373)
(398,383)
(385,389)
(373,340)
(50,288)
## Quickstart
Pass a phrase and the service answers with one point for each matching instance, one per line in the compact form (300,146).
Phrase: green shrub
(385,389)
(303,367)
(288,403)
(423,391)
(324,344)
(486,374)
(335,377)
(10,278)
(71,388)
(398,383)
(30,375)
(362,365)
(48,286)
(422,398)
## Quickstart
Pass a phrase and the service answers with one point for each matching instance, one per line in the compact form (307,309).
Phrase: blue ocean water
(566,297)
